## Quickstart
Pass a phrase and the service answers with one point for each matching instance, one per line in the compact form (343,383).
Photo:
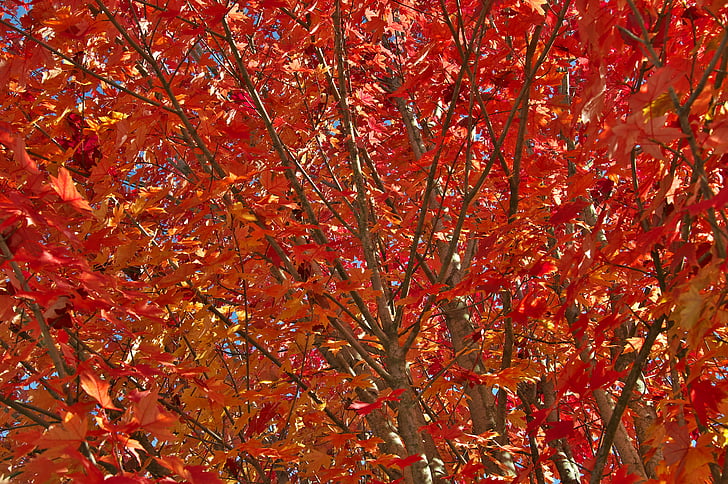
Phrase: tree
(422,242)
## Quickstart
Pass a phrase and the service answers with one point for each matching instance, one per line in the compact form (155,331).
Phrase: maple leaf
(15,143)
(97,389)
(624,476)
(308,211)
(705,397)
(470,470)
(65,187)
(259,422)
(719,201)
(601,191)
(537,6)
(363,408)
(567,212)
(193,474)
(690,306)
(70,432)
(558,430)
(149,415)
(403,463)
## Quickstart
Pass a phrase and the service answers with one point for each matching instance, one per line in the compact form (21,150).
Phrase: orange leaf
(193,474)
(150,417)
(98,389)
(66,189)
(537,6)
(71,432)
(17,145)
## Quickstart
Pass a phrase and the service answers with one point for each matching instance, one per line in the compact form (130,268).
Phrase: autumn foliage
(363,241)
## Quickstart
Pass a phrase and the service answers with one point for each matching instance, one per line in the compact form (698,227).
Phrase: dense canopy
(358,241)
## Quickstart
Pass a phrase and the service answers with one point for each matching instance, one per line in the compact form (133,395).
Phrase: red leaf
(719,201)
(541,268)
(17,145)
(623,476)
(471,470)
(363,408)
(216,12)
(245,101)
(538,417)
(394,396)
(259,422)
(567,212)
(602,376)
(407,461)
(198,475)
(601,191)
(558,430)
(193,474)
(71,432)
(705,397)
(62,321)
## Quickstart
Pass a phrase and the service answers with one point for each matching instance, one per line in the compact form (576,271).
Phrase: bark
(410,418)
(405,439)
(481,401)
(627,452)
(377,420)
(563,459)
(644,418)
(643,413)
(622,442)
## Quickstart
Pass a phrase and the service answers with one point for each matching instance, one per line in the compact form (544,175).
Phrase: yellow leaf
(658,106)
(114,118)
(243,213)
(518,418)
